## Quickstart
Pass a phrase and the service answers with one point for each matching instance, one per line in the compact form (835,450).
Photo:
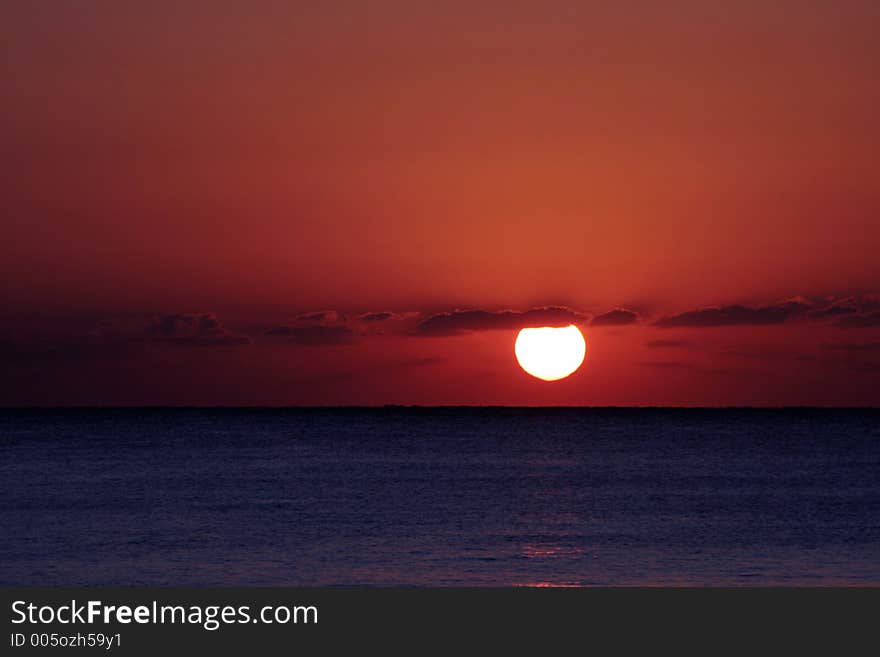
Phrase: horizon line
(326,407)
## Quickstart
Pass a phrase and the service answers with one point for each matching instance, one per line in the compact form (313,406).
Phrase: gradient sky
(360,202)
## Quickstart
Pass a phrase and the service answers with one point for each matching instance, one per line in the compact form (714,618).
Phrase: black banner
(268,621)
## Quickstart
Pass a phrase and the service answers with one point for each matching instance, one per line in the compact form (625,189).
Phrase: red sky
(183,181)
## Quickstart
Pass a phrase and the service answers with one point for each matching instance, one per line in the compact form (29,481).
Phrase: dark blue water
(440,497)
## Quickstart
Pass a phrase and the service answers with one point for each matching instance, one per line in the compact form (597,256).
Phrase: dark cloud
(848,306)
(114,339)
(376,317)
(737,315)
(319,316)
(313,335)
(197,329)
(616,317)
(321,328)
(846,312)
(463,321)
(668,344)
(851,312)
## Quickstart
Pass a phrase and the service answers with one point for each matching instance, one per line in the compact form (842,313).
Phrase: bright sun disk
(550,353)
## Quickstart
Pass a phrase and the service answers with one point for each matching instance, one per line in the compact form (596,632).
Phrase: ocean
(440,497)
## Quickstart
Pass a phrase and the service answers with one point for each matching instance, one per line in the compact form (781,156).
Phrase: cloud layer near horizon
(332,327)
(794,351)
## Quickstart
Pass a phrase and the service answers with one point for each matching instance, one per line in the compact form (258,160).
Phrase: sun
(549,353)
